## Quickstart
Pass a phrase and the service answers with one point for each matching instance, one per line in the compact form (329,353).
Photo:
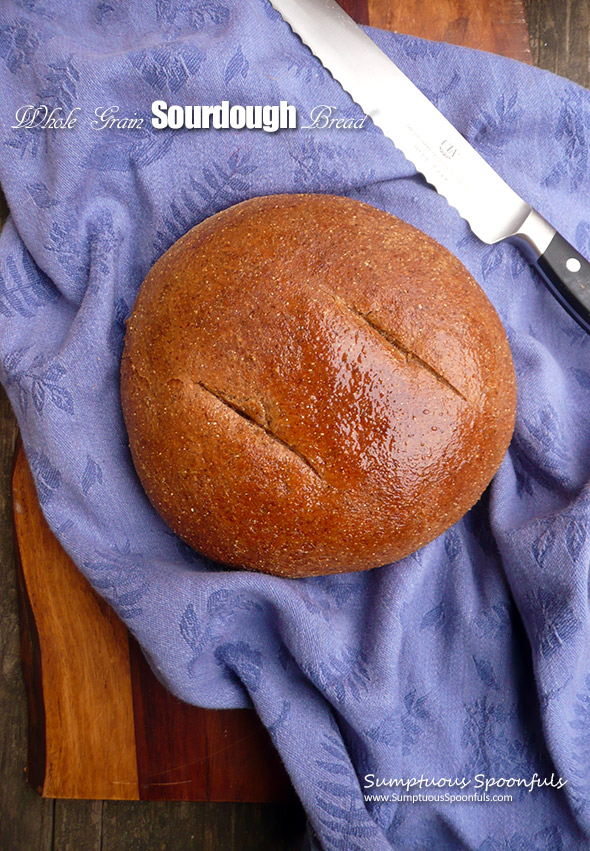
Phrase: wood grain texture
(77,826)
(499,27)
(185,753)
(26,821)
(180,826)
(82,742)
(560,37)
(357,9)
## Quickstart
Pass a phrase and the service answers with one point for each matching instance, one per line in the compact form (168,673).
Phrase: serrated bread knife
(447,161)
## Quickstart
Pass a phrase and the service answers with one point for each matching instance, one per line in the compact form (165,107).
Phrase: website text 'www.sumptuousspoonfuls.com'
(445,798)
(479,789)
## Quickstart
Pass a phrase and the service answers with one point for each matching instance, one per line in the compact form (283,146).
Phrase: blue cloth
(470,657)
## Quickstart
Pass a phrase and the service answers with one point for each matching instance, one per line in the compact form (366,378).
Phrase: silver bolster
(534,234)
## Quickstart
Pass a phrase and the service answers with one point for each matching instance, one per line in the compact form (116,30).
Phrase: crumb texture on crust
(311,385)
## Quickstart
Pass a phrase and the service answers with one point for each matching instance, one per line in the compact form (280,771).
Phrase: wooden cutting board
(100,724)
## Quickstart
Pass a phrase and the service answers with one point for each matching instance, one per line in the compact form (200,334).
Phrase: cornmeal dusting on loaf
(311,385)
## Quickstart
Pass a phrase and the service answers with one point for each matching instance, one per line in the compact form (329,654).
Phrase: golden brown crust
(311,385)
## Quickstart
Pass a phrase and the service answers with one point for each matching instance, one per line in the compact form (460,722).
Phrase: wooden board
(100,724)
(498,26)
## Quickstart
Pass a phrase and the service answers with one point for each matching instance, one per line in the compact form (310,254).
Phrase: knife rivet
(573,265)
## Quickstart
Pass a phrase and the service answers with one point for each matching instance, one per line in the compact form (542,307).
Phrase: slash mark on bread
(237,410)
(403,350)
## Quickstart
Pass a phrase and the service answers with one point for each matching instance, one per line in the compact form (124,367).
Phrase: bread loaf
(312,386)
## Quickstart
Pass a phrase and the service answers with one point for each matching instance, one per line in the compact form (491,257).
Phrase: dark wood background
(560,41)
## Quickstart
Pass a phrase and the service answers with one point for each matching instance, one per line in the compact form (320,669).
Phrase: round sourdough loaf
(312,386)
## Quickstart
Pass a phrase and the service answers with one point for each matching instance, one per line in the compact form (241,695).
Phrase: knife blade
(449,163)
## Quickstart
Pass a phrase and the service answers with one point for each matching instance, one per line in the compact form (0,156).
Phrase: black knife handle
(567,275)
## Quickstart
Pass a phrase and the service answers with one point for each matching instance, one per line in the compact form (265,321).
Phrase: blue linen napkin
(469,658)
